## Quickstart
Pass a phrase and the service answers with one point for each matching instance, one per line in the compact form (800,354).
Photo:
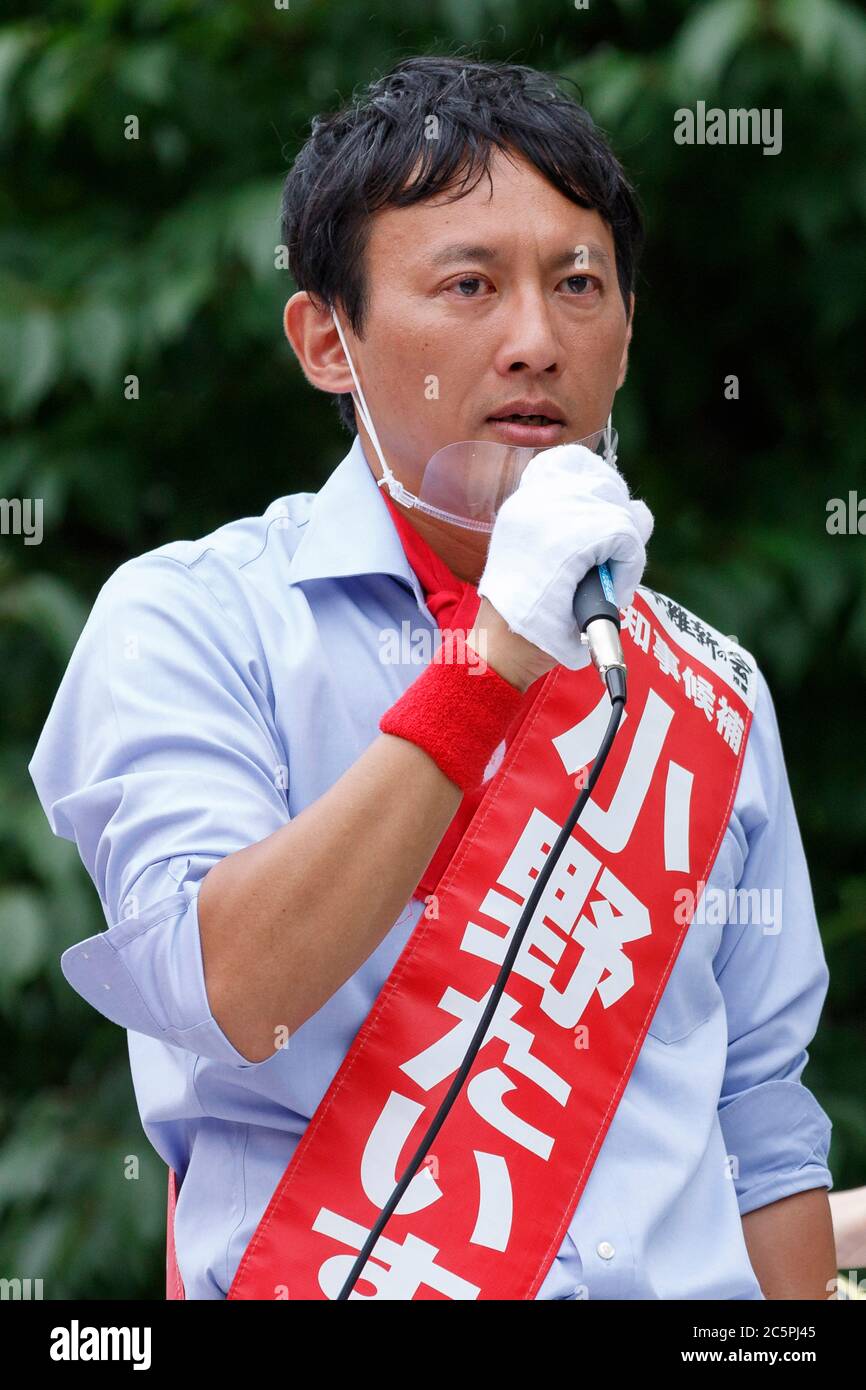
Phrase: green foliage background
(156,257)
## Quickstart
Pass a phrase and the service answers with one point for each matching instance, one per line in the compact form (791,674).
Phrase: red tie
(454,604)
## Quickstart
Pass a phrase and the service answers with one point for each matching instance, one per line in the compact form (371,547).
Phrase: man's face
(452,337)
(475,305)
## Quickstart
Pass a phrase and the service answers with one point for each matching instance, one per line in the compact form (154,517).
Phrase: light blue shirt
(220,686)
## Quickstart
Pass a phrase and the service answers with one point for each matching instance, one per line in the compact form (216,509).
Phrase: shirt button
(605,1250)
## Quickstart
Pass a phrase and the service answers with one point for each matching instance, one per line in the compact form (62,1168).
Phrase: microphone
(597,616)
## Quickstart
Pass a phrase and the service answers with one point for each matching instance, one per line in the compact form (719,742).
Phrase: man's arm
(773,975)
(848,1209)
(791,1247)
(161,760)
(285,922)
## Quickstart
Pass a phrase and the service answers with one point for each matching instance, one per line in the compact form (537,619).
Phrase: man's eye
(466,280)
(585,282)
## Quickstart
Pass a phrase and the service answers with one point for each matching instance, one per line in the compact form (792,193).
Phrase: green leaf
(707,42)
(613,82)
(53,860)
(96,339)
(47,605)
(253,226)
(34,360)
(60,77)
(23,938)
(17,42)
(28,1160)
(145,70)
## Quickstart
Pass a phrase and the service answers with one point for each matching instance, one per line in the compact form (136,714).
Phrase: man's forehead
(427,238)
(452,253)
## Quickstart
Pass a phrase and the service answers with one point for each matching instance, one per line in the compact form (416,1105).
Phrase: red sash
(487,1213)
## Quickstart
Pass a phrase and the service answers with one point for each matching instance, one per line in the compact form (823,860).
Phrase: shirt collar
(350,531)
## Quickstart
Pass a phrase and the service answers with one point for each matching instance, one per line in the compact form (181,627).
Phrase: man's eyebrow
(465,251)
(462,251)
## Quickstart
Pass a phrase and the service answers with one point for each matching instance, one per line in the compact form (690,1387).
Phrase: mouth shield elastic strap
(467,482)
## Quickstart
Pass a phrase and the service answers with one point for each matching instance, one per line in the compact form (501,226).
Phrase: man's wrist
(510,655)
(490,653)
(458,710)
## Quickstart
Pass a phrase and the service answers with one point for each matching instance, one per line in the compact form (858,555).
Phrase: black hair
(359,159)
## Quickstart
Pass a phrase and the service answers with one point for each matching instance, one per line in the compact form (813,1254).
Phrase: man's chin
(464,551)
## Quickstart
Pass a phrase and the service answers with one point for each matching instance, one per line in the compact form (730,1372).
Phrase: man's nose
(529,338)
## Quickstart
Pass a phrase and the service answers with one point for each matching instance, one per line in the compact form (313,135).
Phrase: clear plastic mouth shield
(466,483)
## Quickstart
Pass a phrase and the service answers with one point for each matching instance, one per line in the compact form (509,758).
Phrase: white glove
(572,510)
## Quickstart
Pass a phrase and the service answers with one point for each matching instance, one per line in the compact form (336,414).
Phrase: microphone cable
(614,676)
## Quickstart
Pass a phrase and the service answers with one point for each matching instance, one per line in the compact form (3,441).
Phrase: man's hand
(572,510)
(791,1247)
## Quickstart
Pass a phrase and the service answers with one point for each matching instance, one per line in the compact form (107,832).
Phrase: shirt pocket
(692,993)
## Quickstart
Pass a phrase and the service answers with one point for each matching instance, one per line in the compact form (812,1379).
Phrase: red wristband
(458,711)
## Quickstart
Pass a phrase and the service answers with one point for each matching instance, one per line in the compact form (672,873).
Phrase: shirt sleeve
(159,757)
(773,974)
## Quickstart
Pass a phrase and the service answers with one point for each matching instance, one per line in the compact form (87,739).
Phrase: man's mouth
(528,419)
(537,428)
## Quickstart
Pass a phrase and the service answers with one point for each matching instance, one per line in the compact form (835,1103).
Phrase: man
(264,848)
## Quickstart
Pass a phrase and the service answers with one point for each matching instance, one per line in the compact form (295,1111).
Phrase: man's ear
(316,344)
(623,365)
